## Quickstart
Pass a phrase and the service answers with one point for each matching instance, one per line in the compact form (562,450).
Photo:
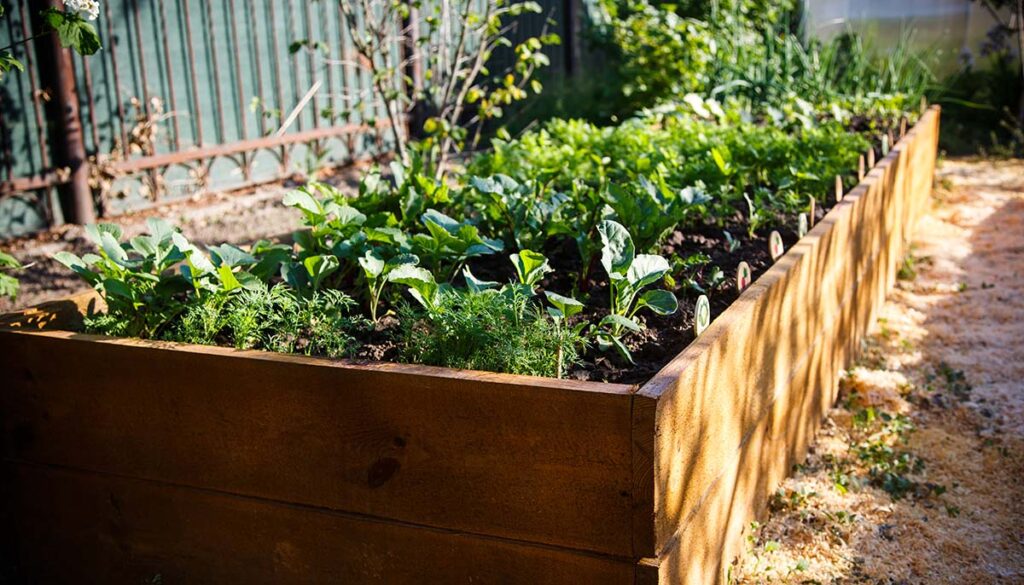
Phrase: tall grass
(780,64)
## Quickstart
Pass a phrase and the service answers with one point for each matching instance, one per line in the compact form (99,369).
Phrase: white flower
(90,9)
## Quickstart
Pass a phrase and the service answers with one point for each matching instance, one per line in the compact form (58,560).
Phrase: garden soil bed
(130,461)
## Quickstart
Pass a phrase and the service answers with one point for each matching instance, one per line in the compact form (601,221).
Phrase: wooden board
(741,404)
(72,527)
(516,457)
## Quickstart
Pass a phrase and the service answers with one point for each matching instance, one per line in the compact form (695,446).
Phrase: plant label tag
(812,210)
(871,158)
(701,315)
(775,247)
(839,188)
(801,225)
(860,168)
(743,276)
(903,127)
(885,145)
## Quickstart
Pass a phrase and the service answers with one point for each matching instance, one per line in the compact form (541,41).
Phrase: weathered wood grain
(72,527)
(517,457)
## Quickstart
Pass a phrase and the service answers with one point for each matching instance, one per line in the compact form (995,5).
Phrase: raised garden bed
(127,459)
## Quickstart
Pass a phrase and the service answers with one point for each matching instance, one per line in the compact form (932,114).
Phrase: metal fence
(188,96)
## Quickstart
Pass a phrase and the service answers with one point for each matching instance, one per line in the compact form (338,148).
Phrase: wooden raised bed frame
(126,459)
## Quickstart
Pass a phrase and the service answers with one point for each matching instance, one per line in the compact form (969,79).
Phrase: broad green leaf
(159,229)
(70,260)
(93,231)
(118,288)
(617,249)
(660,301)
(530,266)
(227,278)
(144,245)
(433,216)
(621,322)
(231,256)
(421,284)
(567,306)
(372,264)
(112,248)
(476,285)
(408,274)
(646,269)
(401,260)
(74,32)
(304,201)
(320,267)
(347,215)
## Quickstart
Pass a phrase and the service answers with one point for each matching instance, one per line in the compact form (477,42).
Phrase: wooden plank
(742,402)
(71,527)
(532,459)
(55,315)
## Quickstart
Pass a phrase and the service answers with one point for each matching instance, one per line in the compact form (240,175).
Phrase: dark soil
(663,337)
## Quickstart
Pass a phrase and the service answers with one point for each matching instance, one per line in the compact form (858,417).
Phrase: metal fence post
(58,81)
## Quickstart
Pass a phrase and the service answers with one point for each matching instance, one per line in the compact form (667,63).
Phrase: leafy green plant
(377,273)
(653,209)
(9,285)
(449,243)
(530,268)
(527,212)
(135,278)
(628,275)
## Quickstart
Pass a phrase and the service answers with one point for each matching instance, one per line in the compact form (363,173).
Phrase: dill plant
(489,330)
(276,319)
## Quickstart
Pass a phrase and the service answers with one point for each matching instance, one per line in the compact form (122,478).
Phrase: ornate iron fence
(188,96)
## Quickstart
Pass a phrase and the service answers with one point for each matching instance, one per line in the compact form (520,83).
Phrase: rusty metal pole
(69,145)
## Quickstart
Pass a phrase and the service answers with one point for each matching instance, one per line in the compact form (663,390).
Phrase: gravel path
(918,475)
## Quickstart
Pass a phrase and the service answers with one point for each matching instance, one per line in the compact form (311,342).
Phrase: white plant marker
(860,168)
(701,315)
(775,247)
(871,158)
(801,225)
(839,188)
(743,276)
(885,145)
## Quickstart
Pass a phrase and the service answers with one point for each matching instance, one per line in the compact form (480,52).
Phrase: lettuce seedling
(448,243)
(653,209)
(526,211)
(377,272)
(629,273)
(135,278)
